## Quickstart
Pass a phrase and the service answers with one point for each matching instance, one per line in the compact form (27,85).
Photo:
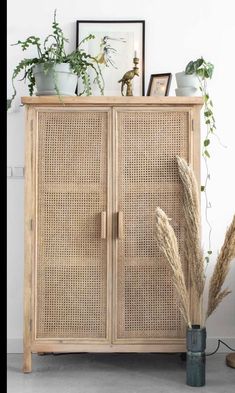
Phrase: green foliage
(200,67)
(51,51)
(206,142)
(207,259)
(204,70)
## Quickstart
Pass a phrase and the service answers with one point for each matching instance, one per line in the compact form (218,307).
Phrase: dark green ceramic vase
(196,359)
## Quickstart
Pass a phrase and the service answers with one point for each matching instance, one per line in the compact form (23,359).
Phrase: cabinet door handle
(120,225)
(103,225)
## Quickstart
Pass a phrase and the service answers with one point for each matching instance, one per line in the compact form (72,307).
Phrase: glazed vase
(196,357)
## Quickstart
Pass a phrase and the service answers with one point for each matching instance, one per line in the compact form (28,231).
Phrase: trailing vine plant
(204,71)
(51,51)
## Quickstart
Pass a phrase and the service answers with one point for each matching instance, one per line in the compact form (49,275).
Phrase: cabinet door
(147,141)
(71,213)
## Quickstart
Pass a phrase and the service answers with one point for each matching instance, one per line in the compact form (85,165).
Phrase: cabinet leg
(27,365)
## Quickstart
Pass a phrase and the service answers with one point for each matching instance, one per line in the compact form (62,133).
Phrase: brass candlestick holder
(127,78)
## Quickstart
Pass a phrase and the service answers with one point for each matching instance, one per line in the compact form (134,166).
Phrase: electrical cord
(218,345)
(207,354)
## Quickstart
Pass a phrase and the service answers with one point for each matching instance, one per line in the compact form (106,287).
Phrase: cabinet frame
(111,105)
(194,141)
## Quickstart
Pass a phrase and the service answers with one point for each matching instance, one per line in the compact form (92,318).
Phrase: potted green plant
(200,70)
(203,70)
(193,78)
(53,71)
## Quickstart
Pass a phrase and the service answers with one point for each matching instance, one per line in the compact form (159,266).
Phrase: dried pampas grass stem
(227,253)
(191,208)
(167,242)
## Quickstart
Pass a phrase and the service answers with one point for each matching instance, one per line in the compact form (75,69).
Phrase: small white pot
(186,91)
(184,80)
(60,76)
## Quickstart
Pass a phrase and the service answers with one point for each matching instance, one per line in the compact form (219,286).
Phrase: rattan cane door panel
(71,269)
(147,143)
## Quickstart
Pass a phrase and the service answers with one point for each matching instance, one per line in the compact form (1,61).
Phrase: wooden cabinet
(96,168)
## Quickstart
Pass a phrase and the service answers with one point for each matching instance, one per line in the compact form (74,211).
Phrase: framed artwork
(115,45)
(159,85)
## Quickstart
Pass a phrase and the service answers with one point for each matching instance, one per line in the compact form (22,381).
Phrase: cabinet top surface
(111,101)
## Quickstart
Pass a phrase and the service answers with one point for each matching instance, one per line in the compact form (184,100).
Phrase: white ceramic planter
(60,76)
(186,91)
(187,85)
(184,80)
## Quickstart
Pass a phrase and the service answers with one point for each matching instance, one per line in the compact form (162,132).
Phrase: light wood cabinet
(96,168)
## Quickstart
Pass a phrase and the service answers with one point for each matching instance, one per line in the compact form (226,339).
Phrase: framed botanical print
(115,45)
(159,84)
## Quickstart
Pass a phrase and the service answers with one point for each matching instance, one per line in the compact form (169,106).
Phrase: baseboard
(15,345)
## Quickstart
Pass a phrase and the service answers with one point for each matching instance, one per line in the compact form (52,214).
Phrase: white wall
(176,32)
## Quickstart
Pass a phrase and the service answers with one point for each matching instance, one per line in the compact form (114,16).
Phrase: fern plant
(51,51)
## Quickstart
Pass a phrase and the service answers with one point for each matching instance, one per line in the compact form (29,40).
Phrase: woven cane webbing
(148,177)
(72,192)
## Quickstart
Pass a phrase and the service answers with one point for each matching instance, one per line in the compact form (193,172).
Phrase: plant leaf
(199,62)
(189,70)
(206,142)
(208,113)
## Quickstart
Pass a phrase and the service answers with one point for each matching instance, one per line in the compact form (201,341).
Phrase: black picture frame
(86,27)
(157,82)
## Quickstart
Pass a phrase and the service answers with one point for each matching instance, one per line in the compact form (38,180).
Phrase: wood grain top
(111,101)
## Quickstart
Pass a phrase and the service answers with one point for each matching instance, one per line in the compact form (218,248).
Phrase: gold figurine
(127,78)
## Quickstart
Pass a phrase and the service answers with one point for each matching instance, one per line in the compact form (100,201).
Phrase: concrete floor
(115,373)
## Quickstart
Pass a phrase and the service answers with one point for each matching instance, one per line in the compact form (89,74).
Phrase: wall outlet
(9,171)
(18,171)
